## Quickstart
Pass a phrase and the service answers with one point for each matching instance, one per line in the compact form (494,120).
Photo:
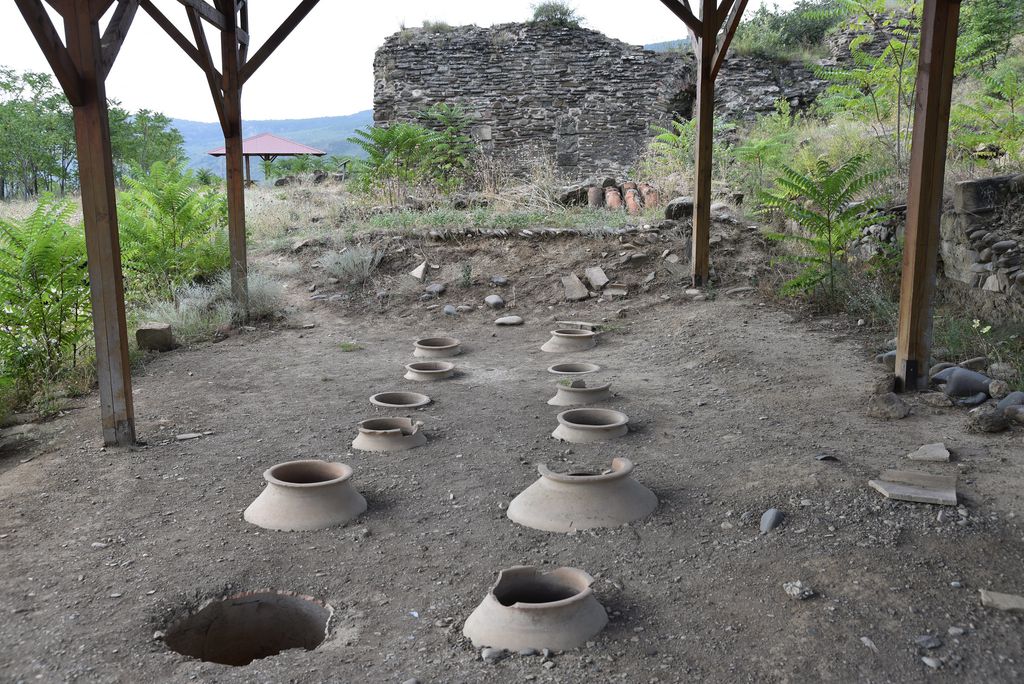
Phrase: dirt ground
(729,401)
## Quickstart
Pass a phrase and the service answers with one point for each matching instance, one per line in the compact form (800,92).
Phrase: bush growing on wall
(554,13)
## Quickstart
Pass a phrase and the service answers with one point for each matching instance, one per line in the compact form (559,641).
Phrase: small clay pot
(528,608)
(429,370)
(574,368)
(563,502)
(436,347)
(578,394)
(389,434)
(400,400)
(570,340)
(586,425)
(306,495)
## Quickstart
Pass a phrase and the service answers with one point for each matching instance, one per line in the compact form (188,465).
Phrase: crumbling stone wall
(571,94)
(983,236)
(579,97)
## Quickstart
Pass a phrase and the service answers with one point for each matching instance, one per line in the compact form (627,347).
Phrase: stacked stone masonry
(983,236)
(565,93)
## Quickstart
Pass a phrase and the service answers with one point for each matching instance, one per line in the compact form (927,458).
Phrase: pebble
(525,652)
(188,435)
(955,631)
(435,289)
(549,665)
(450,310)
(798,590)
(956,584)
(494,301)
(509,320)
(411,681)
(98,545)
(771,519)
(499,280)
(933,663)
(931,452)
(928,641)
(888,407)
(492,655)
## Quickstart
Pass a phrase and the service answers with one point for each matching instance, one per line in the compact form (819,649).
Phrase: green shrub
(772,34)
(823,204)
(992,120)
(437,27)
(554,13)
(44,292)
(451,147)
(171,233)
(396,159)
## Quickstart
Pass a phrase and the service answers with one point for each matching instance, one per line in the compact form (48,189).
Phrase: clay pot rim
(403,426)
(621,468)
(617,419)
(442,343)
(436,366)
(531,571)
(590,368)
(344,473)
(584,390)
(417,399)
(573,333)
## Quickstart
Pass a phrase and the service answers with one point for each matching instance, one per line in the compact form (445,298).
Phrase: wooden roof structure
(268,147)
(82,60)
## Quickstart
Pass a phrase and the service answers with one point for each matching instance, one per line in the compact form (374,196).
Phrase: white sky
(325,67)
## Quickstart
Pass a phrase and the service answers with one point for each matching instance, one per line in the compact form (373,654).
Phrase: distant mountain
(667,45)
(327,133)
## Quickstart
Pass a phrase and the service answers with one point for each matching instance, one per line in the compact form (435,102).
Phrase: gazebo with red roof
(269,147)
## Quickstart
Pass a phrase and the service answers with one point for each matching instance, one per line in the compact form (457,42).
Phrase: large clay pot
(306,495)
(563,502)
(528,608)
(389,434)
(578,394)
(570,340)
(585,425)
(436,347)
(429,370)
(400,400)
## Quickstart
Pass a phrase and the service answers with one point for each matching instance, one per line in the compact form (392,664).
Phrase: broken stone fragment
(798,590)
(575,290)
(155,337)
(930,452)
(596,277)
(1000,601)
(888,407)
(909,485)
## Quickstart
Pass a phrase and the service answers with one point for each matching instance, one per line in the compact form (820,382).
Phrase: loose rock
(494,301)
(962,382)
(987,419)
(798,590)
(492,655)
(450,310)
(509,320)
(930,452)
(499,281)
(435,289)
(933,663)
(575,290)
(771,519)
(888,407)
(928,641)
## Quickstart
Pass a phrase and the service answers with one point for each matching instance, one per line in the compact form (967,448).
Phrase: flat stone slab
(1009,602)
(596,277)
(575,290)
(931,452)
(909,485)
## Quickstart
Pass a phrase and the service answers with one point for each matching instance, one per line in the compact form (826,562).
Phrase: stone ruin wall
(570,94)
(982,244)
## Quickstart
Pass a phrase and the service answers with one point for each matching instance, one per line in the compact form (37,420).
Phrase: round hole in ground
(239,629)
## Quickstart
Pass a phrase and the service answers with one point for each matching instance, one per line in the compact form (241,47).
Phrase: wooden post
(939,25)
(235,180)
(99,210)
(710,49)
(700,263)
(248,171)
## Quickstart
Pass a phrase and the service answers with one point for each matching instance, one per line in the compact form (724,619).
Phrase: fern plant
(171,232)
(396,158)
(44,287)
(450,147)
(823,202)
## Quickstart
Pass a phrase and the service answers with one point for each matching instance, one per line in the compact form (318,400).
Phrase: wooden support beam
(116,31)
(276,38)
(99,210)
(729,23)
(172,31)
(206,58)
(939,23)
(685,14)
(53,49)
(207,11)
(700,262)
(235,180)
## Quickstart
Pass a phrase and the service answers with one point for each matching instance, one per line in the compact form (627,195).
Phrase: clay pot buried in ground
(612,198)
(578,394)
(633,204)
(306,495)
(400,400)
(586,425)
(574,368)
(563,502)
(429,370)
(389,434)
(567,340)
(436,347)
(595,197)
(528,608)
